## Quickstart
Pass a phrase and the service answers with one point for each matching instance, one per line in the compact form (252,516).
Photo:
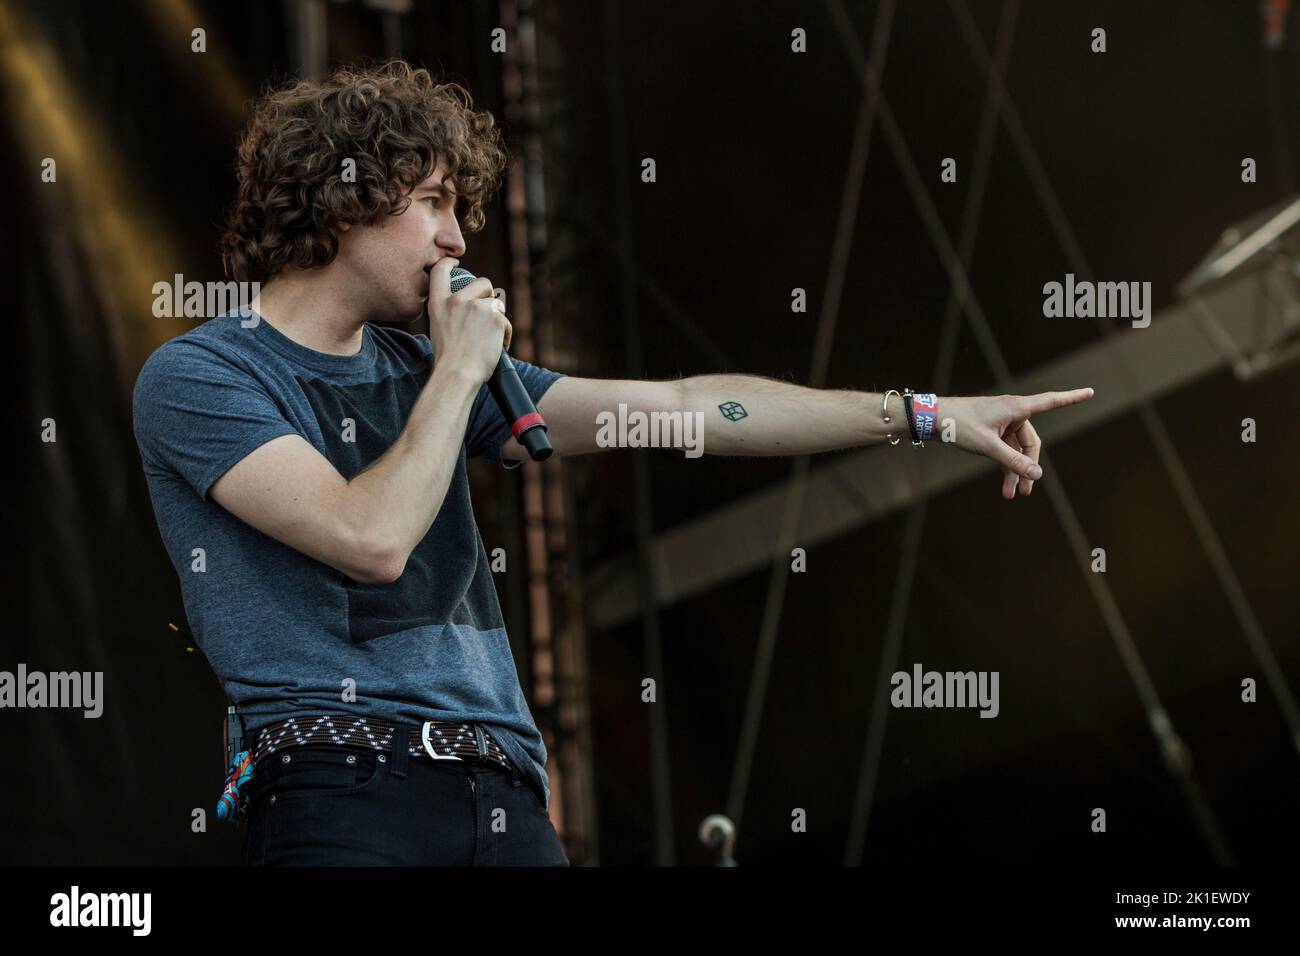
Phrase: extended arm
(756,416)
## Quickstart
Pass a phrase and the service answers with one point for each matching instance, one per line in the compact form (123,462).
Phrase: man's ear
(343,226)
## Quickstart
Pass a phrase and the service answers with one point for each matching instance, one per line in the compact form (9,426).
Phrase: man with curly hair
(307,468)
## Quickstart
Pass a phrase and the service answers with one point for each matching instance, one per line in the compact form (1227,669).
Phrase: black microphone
(512,398)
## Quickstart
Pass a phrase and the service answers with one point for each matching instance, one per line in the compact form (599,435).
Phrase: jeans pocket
(317,771)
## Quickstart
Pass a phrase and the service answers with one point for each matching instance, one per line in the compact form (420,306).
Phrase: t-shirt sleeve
(197,414)
(488,428)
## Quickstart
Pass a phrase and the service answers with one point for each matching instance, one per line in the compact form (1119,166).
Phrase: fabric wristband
(922,415)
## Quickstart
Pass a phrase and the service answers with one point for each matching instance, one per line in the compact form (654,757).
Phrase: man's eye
(434,199)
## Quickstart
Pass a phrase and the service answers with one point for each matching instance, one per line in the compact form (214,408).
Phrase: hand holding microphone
(469,328)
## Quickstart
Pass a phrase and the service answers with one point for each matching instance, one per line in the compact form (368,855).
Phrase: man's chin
(405,315)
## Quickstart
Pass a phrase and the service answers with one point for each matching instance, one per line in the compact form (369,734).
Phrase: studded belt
(434,739)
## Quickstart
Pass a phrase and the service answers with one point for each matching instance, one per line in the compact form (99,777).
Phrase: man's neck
(312,313)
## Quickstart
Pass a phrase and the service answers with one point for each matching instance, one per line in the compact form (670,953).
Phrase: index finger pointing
(1046,401)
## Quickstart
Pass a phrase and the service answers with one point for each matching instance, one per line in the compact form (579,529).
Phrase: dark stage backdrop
(1143,147)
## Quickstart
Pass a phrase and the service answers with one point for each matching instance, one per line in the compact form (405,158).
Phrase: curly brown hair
(393,120)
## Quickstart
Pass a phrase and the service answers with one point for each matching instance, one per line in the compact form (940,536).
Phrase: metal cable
(793,503)
(900,597)
(1177,759)
(1164,446)
(641,484)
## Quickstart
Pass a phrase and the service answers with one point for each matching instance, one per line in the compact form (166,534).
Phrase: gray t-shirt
(284,631)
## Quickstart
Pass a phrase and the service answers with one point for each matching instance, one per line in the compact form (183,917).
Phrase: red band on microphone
(525,422)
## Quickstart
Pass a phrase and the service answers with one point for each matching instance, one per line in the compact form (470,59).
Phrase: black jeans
(322,805)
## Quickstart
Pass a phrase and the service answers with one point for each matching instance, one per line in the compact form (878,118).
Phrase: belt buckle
(428,744)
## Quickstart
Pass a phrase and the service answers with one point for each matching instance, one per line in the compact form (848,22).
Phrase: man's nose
(451,241)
